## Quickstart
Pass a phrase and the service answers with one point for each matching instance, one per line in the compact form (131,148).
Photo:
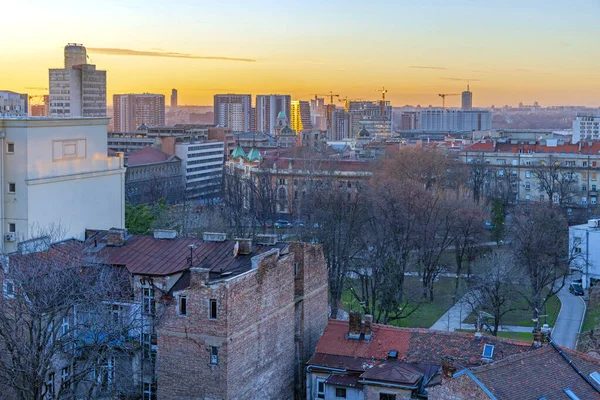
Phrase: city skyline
(510,52)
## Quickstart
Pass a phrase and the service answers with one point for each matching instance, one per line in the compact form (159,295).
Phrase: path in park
(568,324)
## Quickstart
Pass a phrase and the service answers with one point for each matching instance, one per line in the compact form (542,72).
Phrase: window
(149,391)
(593,188)
(64,326)
(577,250)
(148,301)
(65,377)
(340,393)
(9,288)
(488,351)
(10,148)
(320,389)
(182,305)
(12,187)
(387,396)
(116,312)
(583,188)
(527,174)
(106,376)
(214,355)
(50,386)
(593,200)
(12,227)
(584,175)
(148,348)
(527,185)
(595,376)
(213,309)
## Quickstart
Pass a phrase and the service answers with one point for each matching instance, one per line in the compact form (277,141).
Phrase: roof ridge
(510,359)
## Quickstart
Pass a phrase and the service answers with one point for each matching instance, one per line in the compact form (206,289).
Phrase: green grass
(522,336)
(523,317)
(427,313)
(592,318)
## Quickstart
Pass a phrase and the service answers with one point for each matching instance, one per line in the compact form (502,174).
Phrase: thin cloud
(425,67)
(461,79)
(315,62)
(128,52)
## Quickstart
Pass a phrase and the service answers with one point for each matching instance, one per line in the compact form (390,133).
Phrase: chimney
(354,325)
(198,276)
(167,145)
(368,330)
(116,237)
(448,367)
(165,234)
(245,246)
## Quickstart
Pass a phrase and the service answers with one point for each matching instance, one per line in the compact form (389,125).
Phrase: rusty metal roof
(145,255)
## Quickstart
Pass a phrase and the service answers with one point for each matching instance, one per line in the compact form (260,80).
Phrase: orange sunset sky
(510,51)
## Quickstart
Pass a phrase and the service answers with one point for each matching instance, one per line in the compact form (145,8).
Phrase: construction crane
(37,88)
(36,96)
(347,101)
(330,95)
(383,91)
(443,96)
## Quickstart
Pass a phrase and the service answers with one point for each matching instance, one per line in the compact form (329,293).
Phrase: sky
(509,51)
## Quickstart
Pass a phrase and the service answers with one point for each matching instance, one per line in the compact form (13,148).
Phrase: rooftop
(147,155)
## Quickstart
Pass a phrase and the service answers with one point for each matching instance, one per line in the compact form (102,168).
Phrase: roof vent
(214,237)
(266,239)
(165,234)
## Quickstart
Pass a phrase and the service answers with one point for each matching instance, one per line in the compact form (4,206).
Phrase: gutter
(394,385)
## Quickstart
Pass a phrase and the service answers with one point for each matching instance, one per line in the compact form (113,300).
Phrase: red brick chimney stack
(354,325)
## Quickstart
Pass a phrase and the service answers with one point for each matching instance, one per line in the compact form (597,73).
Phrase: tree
(478,175)
(498,218)
(493,289)
(555,180)
(64,319)
(140,219)
(539,242)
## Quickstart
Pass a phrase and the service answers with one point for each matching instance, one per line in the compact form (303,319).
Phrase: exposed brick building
(227,319)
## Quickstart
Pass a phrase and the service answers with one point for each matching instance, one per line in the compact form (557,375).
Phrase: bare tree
(556,180)
(64,321)
(493,289)
(540,247)
(478,175)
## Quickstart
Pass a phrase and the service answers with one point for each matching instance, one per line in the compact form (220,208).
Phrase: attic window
(488,351)
(570,394)
(595,376)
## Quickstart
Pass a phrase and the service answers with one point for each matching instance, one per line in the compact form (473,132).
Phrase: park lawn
(523,317)
(592,318)
(427,313)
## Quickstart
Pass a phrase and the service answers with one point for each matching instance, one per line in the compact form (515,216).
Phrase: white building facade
(12,104)
(55,173)
(233,111)
(203,168)
(584,246)
(586,128)
(453,120)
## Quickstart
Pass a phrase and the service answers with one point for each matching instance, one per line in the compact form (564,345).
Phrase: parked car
(489,225)
(282,223)
(299,223)
(576,288)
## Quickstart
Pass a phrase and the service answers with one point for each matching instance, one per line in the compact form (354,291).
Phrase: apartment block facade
(132,110)
(233,111)
(203,168)
(268,108)
(300,116)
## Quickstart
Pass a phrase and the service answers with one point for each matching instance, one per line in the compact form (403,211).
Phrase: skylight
(595,376)
(488,351)
(570,393)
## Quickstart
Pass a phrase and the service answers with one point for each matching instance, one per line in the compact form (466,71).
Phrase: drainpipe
(587,258)
(2,190)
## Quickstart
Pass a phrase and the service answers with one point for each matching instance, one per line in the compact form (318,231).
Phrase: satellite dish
(236,249)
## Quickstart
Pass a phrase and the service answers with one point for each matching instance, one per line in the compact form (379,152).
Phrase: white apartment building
(78,89)
(203,168)
(584,247)
(12,104)
(233,111)
(55,172)
(586,127)
(268,108)
(454,120)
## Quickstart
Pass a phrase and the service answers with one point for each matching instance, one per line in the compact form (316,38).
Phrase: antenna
(191,257)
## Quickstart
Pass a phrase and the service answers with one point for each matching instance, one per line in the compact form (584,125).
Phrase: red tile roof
(148,155)
(540,373)
(417,346)
(484,145)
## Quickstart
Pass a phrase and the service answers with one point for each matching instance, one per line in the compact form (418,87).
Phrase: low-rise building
(153,175)
(584,250)
(361,360)
(13,104)
(203,168)
(129,142)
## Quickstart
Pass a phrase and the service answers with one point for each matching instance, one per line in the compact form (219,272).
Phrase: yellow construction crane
(443,96)
(383,91)
(330,95)
(36,96)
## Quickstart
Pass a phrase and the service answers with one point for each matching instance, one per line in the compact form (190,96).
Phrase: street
(570,318)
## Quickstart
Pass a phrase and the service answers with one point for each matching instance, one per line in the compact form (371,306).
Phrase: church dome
(364,133)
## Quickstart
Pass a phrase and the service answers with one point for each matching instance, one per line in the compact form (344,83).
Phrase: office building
(268,108)
(233,111)
(133,110)
(409,120)
(378,127)
(57,173)
(300,116)
(78,90)
(13,104)
(203,168)
(174,98)
(467,99)
(453,120)
(586,127)
(339,127)
(317,113)
(366,110)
